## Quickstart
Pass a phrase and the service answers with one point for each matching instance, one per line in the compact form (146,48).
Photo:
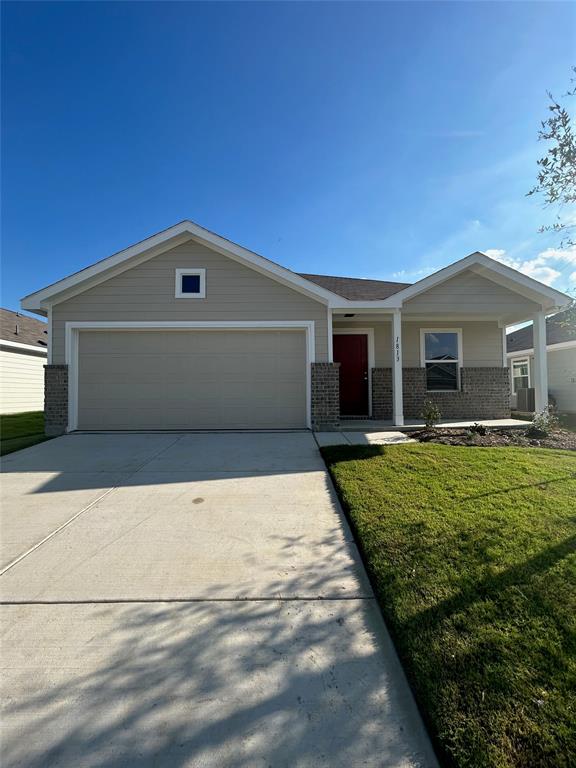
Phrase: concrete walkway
(191,600)
(362,438)
(374,432)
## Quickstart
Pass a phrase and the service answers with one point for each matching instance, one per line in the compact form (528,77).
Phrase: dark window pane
(441,376)
(441,346)
(190,283)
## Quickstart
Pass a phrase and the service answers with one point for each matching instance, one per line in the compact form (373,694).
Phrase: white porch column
(540,362)
(397,405)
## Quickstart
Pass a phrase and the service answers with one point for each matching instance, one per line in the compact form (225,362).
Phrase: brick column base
(55,399)
(325,396)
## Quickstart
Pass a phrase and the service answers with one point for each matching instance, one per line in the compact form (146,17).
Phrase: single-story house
(23,352)
(561,360)
(187,330)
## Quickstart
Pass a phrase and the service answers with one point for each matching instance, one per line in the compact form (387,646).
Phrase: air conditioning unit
(526,400)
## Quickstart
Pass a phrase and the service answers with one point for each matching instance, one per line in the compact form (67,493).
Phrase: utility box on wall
(526,400)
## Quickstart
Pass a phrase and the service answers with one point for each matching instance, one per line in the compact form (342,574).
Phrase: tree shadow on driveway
(218,683)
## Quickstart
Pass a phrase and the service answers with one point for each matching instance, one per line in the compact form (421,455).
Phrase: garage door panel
(191,379)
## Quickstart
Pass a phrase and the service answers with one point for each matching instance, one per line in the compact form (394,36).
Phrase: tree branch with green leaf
(557,169)
(557,172)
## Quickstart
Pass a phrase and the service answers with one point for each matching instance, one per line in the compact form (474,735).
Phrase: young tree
(557,174)
(557,169)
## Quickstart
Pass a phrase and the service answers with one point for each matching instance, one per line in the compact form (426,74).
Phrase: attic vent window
(190,283)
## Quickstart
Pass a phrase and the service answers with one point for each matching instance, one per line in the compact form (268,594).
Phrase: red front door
(351,351)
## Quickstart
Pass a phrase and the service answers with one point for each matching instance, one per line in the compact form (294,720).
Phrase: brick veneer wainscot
(382,393)
(325,396)
(484,394)
(55,399)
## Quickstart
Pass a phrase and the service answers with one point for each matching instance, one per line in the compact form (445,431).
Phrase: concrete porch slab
(379,425)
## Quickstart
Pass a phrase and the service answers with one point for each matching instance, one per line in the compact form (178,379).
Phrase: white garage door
(205,379)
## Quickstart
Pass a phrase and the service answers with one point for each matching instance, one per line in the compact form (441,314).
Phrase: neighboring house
(561,358)
(23,350)
(187,330)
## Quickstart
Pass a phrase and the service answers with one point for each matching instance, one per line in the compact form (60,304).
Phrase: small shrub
(479,429)
(431,414)
(542,424)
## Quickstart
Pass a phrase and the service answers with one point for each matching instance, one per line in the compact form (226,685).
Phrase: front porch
(378,432)
(384,369)
(442,339)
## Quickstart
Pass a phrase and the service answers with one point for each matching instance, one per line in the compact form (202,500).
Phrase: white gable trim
(153,246)
(492,270)
(549,298)
(477,262)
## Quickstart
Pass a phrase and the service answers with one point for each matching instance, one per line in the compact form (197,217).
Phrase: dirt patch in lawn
(559,439)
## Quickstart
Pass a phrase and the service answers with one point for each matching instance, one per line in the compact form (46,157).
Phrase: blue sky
(377,140)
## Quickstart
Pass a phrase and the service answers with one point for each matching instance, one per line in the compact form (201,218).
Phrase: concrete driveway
(191,600)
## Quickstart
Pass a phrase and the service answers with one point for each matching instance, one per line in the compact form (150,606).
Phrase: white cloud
(548,266)
(495,253)
(414,274)
(546,275)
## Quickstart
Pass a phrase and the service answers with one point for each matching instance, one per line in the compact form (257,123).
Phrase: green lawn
(21,430)
(472,553)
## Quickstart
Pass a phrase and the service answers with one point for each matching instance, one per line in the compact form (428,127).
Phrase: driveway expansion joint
(130,600)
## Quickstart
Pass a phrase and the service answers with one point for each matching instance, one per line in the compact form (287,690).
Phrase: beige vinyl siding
(192,379)
(233,292)
(383,345)
(481,341)
(470,293)
(21,381)
(562,378)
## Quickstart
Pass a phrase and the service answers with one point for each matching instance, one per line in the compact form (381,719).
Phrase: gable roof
(493,270)
(559,329)
(373,294)
(21,329)
(158,243)
(356,288)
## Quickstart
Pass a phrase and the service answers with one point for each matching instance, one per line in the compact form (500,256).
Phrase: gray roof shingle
(23,329)
(558,329)
(356,288)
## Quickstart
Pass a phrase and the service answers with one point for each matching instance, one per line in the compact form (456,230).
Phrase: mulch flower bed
(559,438)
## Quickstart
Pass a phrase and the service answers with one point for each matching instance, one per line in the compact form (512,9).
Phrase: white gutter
(18,345)
(549,348)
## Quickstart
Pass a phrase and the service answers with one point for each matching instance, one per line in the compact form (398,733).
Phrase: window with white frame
(190,283)
(520,374)
(441,355)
